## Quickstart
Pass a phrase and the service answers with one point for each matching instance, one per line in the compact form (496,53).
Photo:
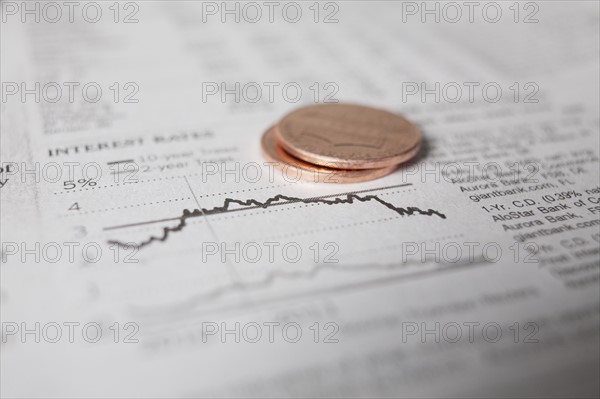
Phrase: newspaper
(150,250)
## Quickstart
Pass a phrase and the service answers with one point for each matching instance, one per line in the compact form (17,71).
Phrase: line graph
(277,200)
(190,308)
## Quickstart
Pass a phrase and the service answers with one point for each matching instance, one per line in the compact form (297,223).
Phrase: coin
(348,136)
(297,169)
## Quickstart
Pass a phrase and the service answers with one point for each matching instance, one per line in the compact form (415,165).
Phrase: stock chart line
(277,200)
(188,308)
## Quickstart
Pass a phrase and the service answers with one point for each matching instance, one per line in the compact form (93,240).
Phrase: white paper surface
(503,237)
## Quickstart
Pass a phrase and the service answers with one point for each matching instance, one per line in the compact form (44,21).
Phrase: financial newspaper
(150,250)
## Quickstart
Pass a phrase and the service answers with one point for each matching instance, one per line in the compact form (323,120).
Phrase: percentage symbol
(86,182)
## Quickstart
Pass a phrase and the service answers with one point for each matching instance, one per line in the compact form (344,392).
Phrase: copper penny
(348,136)
(297,169)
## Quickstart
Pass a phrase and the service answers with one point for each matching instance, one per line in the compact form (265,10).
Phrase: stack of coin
(340,143)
